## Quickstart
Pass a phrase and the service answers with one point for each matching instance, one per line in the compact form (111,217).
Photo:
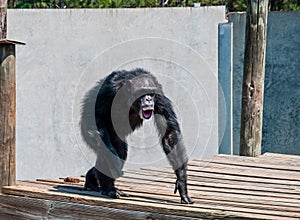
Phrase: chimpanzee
(124,100)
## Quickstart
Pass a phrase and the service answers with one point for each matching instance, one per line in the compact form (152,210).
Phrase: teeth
(148,108)
(141,114)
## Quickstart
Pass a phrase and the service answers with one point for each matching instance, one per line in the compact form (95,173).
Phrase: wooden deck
(266,187)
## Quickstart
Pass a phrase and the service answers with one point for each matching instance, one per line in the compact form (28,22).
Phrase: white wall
(68,51)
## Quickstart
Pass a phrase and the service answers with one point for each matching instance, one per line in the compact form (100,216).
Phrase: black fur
(127,87)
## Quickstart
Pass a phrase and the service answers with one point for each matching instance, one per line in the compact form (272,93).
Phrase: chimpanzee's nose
(148,98)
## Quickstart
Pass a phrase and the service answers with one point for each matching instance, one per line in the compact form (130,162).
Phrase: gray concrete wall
(68,51)
(281,119)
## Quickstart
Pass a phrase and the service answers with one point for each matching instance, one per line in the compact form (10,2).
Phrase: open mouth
(147,113)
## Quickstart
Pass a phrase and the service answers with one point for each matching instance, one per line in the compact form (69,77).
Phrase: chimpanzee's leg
(92,180)
(108,183)
(111,155)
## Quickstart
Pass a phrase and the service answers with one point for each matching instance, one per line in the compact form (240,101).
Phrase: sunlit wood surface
(265,187)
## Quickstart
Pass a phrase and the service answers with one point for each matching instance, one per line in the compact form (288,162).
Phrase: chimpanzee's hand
(181,187)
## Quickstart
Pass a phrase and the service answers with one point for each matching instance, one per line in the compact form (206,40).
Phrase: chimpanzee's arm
(172,143)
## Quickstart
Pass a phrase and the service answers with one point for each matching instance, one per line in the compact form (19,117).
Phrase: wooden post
(7,103)
(7,115)
(253,78)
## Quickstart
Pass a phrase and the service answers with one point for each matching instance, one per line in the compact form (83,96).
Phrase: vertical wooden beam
(7,103)
(7,114)
(253,78)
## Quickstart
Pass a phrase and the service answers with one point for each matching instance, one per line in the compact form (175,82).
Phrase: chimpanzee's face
(147,106)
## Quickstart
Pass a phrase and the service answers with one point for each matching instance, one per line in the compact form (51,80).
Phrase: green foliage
(284,5)
(34,4)
(236,5)
(83,3)
(274,5)
(232,5)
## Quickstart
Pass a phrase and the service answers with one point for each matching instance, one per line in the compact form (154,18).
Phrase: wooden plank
(60,181)
(213,172)
(224,179)
(202,201)
(162,189)
(294,158)
(193,181)
(259,162)
(217,195)
(204,168)
(245,171)
(29,208)
(131,178)
(199,192)
(159,195)
(200,175)
(190,211)
(219,187)
(254,165)
(198,189)
(150,196)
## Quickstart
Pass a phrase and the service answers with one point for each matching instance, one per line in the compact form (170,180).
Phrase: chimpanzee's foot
(92,187)
(182,188)
(114,193)
(186,200)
